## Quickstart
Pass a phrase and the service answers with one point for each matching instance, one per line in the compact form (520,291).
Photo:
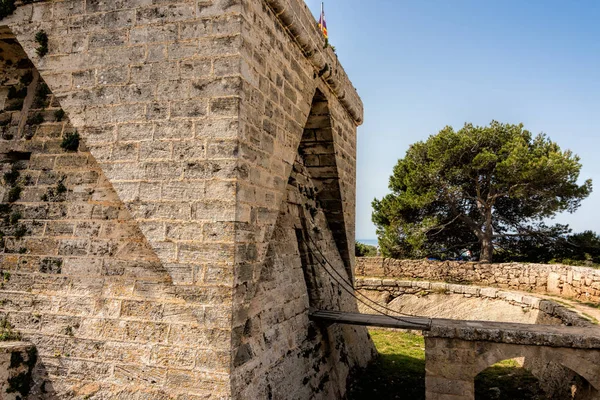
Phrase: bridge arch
(564,357)
(454,360)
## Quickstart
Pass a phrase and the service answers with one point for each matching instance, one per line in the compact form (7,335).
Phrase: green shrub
(14,194)
(7,7)
(364,250)
(41,38)
(20,231)
(61,188)
(6,331)
(11,177)
(59,114)
(15,217)
(41,93)
(70,142)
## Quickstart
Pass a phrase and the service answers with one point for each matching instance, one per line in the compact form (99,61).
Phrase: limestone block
(489,292)
(422,284)
(439,286)
(456,288)
(534,302)
(553,285)
(472,290)
(371,282)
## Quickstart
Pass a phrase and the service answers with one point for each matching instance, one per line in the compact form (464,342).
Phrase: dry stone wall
(154,260)
(569,281)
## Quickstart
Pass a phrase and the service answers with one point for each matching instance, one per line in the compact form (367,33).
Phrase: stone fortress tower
(174,174)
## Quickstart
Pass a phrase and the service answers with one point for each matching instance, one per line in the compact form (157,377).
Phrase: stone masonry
(581,283)
(456,351)
(17,360)
(384,291)
(175,250)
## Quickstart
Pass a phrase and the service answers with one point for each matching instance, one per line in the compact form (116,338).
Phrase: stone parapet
(397,288)
(513,333)
(300,25)
(568,281)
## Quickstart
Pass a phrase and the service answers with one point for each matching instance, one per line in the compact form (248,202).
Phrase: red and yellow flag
(322,23)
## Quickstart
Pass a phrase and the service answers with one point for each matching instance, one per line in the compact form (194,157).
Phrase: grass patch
(590,318)
(506,380)
(6,332)
(594,305)
(399,373)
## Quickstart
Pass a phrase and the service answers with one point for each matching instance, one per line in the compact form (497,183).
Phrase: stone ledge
(511,333)
(301,26)
(11,347)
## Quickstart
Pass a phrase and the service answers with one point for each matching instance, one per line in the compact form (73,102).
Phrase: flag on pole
(322,23)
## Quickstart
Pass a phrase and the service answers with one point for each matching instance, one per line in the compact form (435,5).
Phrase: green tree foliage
(364,250)
(580,248)
(556,245)
(472,187)
(541,246)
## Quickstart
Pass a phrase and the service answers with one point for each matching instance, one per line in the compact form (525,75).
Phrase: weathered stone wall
(384,291)
(283,354)
(568,281)
(17,360)
(302,188)
(144,264)
(80,280)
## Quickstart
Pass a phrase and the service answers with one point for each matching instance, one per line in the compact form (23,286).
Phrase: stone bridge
(456,351)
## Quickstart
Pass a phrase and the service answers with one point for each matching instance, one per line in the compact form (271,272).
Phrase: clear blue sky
(422,65)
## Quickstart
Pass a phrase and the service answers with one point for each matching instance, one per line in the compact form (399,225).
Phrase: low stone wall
(567,281)
(395,288)
(17,360)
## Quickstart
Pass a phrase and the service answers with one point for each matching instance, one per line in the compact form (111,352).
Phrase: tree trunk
(487,249)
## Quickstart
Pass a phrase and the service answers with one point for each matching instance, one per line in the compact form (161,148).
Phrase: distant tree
(472,187)
(364,250)
(542,246)
(555,245)
(579,248)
